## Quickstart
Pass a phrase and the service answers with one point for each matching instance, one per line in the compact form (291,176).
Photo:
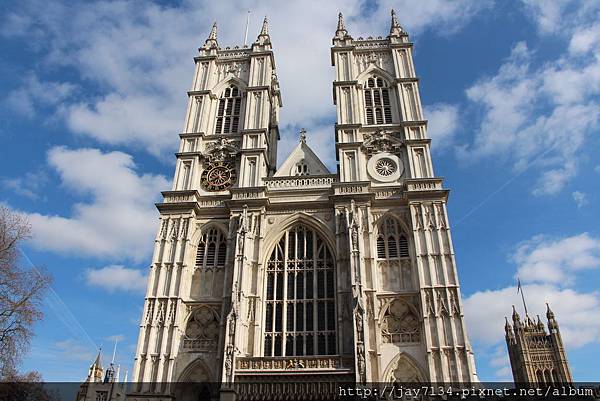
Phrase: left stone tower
(228,145)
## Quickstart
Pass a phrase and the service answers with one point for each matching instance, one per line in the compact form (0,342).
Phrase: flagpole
(246,34)
(520,289)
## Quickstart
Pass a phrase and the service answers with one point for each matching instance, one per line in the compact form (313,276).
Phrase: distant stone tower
(537,357)
(101,385)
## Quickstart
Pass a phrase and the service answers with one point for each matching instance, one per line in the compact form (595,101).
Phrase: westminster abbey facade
(265,274)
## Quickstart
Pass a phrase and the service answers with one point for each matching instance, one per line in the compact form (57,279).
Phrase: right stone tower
(408,317)
(537,357)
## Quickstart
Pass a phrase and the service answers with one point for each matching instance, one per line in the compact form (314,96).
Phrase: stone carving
(418,216)
(203,325)
(163,228)
(381,141)
(222,150)
(429,304)
(442,306)
(404,372)
(400,323)
(441,219)
(380,59)
(429,216)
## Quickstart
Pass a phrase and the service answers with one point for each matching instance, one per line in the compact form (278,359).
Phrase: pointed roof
(98,361)
(395,28)
(265,27)
(211,41)
(341,31)
(302,154)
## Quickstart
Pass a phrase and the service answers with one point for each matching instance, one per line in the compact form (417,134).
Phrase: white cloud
(442,123)
(33,93)
(578,314)
(580,198)
(117,278)
(119,220)
(139,56)
(28,186)
(556,261)
(537,117)
(560,16)
(73,349)
(548,269)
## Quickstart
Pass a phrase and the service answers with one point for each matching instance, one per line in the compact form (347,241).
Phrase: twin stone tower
(263,274)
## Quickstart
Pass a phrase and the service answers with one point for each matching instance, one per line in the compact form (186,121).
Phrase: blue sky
(93,97)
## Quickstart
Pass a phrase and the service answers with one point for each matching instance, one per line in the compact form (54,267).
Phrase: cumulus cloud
(117,278)
(442,123)
(33,92)
(537,117)
(139,56)
(119,220)
(548,268)
(555,261)
(29,186)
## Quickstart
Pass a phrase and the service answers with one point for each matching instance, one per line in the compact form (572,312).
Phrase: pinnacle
(213,32)
(265,27)
(395,29)
(341,26)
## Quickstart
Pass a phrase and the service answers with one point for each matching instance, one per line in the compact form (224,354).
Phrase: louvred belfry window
(377,102)
(300,296)
(228,112)
(212,250)
(391,242)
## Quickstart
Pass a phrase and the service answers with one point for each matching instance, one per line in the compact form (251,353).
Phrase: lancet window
(212,250)
(300,304)
(377,101)
(228,112)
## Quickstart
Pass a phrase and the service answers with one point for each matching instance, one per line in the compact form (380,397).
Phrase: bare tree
(21,291)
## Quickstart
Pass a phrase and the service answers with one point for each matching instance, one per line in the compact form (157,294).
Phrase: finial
(211,42)
(303,135)
(549,313)
(265,27)
(515,314)
(213,31)
(395,29)
(341,31)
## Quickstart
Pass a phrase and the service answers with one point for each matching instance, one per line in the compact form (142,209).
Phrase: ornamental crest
(221,150)
(381,141)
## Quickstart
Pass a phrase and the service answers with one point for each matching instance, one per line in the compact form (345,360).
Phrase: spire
(395,29)
(506,325)
(211,42)
(552,323)
(263,37)
(265,27)
(515,314)
(96,371)
(341,31)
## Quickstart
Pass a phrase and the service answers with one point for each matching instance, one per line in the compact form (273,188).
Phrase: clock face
(218,176)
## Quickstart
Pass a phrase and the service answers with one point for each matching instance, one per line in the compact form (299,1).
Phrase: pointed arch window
(228,112)
(393,257)
(301,168)
(212,250)
(377,101)
(300,310)
(391,241)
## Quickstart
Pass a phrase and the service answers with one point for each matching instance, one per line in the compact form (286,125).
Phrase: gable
(302,159)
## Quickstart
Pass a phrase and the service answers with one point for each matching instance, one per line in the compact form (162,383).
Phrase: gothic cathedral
(266,274)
